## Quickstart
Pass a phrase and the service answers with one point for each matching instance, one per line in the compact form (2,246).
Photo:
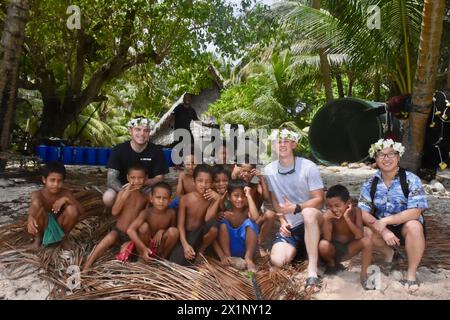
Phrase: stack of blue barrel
(83,155)
(74,155)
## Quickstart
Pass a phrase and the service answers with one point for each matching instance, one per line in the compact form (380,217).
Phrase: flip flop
(387,267)
(410,283)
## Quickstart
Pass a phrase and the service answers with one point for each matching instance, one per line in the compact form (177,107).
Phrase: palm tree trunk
(350,84)
(424,83)
(11,48)
(340,85)
(377,87)
(448,75)
(324,65)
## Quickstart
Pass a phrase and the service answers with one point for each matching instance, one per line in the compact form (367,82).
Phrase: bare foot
(35,246)
(226,261)
(250,265)
(262,252)
(238,263)
(198,259)
(65,244)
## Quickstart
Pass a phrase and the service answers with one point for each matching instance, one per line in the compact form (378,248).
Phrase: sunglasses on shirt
(287,172)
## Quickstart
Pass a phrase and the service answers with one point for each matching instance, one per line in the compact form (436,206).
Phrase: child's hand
(147,255)
(256,173)
(210,194)
(347,213)
(220,215)
(236,172)
(228,215)
(248,192)
(189,252)
(56,208)
(32,226)
(157,238)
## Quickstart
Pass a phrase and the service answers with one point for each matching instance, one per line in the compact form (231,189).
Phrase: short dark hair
(53,167)
(203,168)
(138,166)
(248,160)
(338,191)
(162,185)
(220,169)
(236,184)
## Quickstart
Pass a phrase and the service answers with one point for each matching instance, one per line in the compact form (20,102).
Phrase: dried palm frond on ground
(110,279)
(158,279)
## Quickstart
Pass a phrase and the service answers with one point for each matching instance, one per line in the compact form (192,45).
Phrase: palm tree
(340,26)
(11,48)
(424,82)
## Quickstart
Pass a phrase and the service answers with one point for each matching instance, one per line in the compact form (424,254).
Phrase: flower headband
(140,122)
(284,134)
(383,144)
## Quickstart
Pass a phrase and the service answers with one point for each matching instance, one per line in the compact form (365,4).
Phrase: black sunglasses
(287,172)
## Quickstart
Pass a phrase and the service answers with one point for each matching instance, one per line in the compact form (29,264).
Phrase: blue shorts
(297,239)
(237,236)
(175,203)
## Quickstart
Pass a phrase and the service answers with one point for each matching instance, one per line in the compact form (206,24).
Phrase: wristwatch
(298,208)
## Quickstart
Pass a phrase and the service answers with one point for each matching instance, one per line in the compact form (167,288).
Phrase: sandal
(312,282)
(410,283)
(387,267)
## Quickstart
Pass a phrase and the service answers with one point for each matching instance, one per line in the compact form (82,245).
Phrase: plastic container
(78,155)
(91,156)
(67,155)
(41,152)
(53,154)
(103,156)
(168,156)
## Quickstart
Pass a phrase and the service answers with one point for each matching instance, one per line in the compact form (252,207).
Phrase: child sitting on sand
(343,233)
(154,231)
(238,231)
(53,210)
(197,224)
(130,201)
(247,171)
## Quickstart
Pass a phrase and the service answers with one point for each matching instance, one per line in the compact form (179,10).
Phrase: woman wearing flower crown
(392,203)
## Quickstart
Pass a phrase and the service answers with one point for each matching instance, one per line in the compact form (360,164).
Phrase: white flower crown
(284,134)
(383,144)
(140,122)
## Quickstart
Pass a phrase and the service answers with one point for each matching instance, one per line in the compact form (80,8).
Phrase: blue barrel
(103,156)
(54,153)
(168,156)
(41,152)
(78,155)
(91,156)
(67,155)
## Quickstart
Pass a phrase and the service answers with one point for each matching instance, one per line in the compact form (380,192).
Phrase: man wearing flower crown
(128,153)
(296,190)
(393,209)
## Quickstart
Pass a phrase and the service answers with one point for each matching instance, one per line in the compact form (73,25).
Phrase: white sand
(345,285)
(14,199)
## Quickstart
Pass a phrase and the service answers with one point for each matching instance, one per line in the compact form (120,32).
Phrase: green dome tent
(344,129)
